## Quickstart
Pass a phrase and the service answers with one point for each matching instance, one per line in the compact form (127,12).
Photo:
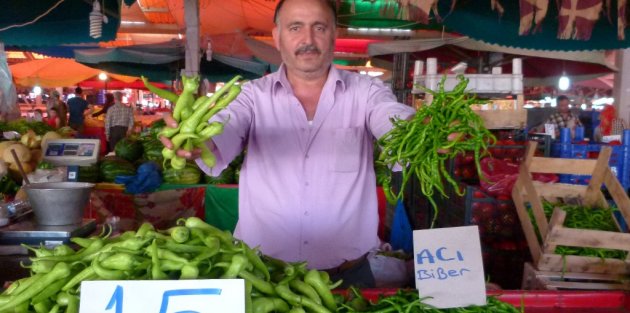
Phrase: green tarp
(221,204)
(67,23)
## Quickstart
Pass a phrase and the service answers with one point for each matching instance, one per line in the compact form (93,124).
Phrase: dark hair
(109,97)
(561,97)
(78,90)
(328,3)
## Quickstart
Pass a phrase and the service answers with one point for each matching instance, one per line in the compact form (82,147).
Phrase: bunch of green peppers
(192,116)
(191,250)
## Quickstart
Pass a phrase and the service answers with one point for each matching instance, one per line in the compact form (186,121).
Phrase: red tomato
(478,195)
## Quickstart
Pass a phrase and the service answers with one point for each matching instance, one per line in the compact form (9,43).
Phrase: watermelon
(153,151)
(226,177)
(113,166)
(128,149)
(190,174)
(155,128)
(88,174)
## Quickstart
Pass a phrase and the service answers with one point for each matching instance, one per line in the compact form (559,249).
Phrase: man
(307,186)
(76,108)
(118,122)
(563,118)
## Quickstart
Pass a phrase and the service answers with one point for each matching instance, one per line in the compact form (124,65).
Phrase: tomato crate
(619,161)
(551,232)
(495,216)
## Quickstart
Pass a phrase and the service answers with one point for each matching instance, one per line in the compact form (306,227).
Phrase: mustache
(307,49)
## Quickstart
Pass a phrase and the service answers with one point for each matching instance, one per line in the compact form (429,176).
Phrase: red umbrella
(117,84)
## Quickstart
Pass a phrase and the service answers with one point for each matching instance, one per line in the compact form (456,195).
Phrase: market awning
(61,22)
(161,62)
(540,67)
(54,72)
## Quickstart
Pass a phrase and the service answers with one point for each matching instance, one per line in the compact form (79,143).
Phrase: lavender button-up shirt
(307,191)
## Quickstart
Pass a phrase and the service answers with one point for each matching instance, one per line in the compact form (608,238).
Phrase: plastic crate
(619,160)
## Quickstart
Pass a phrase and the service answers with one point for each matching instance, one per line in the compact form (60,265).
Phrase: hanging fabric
(388,9)
(532,13)
(621,19)
(577,18)
(418,10)
(495,5)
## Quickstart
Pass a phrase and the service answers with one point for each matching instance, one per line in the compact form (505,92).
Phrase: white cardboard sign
(448,266)
(163,296)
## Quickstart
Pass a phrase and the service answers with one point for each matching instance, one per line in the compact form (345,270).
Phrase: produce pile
(28,148)
(191,250)
(192,115)
(584,217)
(446,128)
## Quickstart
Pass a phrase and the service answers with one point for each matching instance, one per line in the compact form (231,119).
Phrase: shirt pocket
(347,150)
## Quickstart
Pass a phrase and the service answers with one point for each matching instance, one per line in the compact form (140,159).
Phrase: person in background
(109,101)
(53,118)
(609,124)
(118,121)
(77,107)
(54,102)
(38,115)
(563,118)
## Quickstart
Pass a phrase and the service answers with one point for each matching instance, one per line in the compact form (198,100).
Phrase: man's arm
(382,106)
(237,119)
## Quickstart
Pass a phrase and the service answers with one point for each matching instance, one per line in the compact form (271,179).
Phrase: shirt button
(305,242)
(306,213)
(306,184)
(308,156)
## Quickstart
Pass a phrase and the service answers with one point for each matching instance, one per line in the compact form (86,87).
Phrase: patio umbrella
(55,72)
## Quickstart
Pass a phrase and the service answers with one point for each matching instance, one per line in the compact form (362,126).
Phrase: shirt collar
(280,79)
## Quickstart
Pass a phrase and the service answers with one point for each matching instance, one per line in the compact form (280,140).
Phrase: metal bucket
(58,203)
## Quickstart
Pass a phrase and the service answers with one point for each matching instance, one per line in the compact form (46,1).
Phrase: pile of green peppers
(191,250)
(409,301)
(192,116)
(584,217)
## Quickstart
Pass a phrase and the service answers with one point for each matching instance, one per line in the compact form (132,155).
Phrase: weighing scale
(70,153)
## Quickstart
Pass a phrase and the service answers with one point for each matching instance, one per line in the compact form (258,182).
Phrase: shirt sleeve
(237,119)
(108,119)
(382,106)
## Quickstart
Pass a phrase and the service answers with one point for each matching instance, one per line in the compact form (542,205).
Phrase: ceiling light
(564,82)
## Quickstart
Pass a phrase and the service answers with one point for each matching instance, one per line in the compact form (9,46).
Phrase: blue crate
(619,159)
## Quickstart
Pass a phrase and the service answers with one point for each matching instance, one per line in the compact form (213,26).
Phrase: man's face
(305,35)
(563,106)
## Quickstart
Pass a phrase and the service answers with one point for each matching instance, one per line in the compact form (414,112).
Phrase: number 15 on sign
(190,296)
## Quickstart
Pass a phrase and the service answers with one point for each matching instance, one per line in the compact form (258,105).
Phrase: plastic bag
(388,272)
(500,176)
(401,237)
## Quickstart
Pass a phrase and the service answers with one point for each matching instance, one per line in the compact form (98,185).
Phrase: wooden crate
(552,233)
(547,280)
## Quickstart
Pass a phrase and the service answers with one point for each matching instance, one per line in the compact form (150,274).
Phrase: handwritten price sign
(448,266)
(163,296)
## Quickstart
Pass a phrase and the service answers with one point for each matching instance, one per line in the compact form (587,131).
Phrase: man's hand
(189,155)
